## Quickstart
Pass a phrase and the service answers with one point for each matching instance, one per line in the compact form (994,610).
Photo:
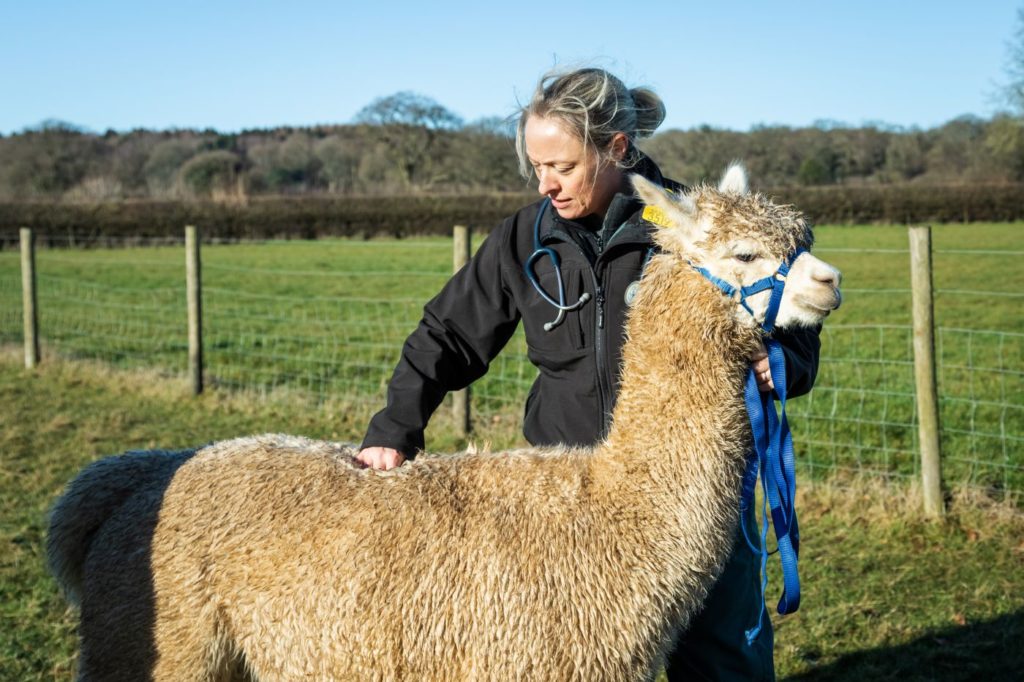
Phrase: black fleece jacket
(472,318)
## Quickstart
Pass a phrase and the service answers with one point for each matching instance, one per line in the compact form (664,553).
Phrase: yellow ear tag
(653,214)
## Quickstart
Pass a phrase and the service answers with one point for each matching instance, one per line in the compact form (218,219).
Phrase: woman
(578,137)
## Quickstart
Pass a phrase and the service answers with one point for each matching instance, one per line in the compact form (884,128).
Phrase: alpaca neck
(671,467)
(680,408)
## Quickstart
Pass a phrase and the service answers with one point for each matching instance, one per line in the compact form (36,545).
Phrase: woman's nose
(546,183)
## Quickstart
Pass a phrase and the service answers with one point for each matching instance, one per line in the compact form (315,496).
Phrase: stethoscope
(539,252)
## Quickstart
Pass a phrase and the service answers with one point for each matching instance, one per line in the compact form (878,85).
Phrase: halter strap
(775,281)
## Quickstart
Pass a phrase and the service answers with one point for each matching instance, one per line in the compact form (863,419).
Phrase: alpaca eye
(746,257)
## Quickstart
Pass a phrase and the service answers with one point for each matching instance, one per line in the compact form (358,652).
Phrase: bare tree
(213,173)
(160,172)
(1004,140)
(339,160)
(410,125)
(1013,91)
(1004,137)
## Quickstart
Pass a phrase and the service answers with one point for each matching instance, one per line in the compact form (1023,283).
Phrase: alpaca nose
(828,276)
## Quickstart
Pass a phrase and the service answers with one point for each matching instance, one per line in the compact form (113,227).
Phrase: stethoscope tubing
(529,268)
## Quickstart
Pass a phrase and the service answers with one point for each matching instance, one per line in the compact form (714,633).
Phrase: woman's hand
(762,370)
(380,458)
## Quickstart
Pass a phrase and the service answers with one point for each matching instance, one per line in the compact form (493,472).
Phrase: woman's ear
(619,146)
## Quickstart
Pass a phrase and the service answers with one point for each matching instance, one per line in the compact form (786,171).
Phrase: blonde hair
(594,106)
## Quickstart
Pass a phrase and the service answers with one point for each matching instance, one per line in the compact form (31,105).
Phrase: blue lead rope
(773,456)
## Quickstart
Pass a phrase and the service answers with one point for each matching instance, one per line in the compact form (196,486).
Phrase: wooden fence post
(461,399)
(194,294)
(924,368)
(28,297)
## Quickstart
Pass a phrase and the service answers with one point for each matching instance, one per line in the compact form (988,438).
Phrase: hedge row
(314,217)
(896,204)
(259,218)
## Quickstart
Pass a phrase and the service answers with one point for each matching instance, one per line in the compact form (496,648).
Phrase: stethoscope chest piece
(631,292)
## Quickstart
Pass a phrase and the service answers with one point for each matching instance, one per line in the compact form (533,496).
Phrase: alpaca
(276,558)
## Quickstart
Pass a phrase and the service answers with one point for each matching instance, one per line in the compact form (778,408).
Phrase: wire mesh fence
(862,414)
(328,319)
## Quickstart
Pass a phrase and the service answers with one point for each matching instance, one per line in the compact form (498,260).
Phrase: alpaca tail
(94,496)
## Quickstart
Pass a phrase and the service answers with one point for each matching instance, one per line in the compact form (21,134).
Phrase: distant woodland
(407,144)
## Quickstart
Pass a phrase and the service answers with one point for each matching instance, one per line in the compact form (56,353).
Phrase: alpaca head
(741,237)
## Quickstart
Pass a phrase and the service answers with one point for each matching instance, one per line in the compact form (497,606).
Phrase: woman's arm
(801,348)
(462,330)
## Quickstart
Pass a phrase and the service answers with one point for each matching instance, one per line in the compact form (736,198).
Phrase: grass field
(887,596)
(301,336)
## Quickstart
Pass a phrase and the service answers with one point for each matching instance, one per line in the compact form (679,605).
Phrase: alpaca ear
(673,209)
(674,212)
(735,180)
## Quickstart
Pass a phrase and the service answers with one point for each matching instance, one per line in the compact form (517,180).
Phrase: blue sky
(233,65)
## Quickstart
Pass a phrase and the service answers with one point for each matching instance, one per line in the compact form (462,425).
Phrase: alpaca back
(474,563)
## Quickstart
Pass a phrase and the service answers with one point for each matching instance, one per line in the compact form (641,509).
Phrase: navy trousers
(715,647)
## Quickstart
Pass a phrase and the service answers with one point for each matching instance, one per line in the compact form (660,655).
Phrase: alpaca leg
(116,629)
(136,652)
(190,646)
(131,629)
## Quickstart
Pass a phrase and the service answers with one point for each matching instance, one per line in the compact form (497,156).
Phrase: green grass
(891,596)
(327,319)
(887,595)
(996,271)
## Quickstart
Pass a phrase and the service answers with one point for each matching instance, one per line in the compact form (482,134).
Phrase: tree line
(410,144)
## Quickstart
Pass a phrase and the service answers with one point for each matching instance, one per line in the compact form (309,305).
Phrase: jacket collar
(622,222)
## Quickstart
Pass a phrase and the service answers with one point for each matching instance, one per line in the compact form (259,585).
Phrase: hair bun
(650,111)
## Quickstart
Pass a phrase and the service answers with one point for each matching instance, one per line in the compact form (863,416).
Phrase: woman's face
(565,169)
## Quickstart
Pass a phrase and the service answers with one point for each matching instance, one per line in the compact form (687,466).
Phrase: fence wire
(329,318)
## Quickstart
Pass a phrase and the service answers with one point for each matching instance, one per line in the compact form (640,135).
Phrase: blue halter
(772,453)
(775,281)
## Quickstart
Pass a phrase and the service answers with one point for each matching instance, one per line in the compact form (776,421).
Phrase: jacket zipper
(603,384)
(600,350)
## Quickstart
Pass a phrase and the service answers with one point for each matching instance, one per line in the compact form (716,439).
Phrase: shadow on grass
(988,651)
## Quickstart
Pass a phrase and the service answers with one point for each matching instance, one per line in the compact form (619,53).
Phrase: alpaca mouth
(823,308)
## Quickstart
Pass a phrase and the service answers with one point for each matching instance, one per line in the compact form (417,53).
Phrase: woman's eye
(564,169)
(746,257)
